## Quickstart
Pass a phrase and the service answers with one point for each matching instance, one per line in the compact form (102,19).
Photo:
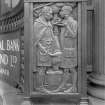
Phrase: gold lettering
(4,71)
(8,45)
(13,45)
(2,45)
(4,59)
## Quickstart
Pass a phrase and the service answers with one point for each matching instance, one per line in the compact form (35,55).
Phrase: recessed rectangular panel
(55,47)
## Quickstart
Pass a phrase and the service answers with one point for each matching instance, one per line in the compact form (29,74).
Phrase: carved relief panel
(55,47)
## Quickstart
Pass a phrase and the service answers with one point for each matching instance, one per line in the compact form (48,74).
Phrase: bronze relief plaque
(55,47)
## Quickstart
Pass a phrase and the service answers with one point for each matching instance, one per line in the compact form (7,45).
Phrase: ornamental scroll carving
(55,47)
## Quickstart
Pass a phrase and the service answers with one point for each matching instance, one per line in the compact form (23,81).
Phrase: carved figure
(45,36)
(68,41)
(45,42)
(55,43)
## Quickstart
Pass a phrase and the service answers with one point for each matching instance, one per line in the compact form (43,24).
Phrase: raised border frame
(82,50)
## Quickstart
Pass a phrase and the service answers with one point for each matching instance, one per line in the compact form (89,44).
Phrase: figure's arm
(72,27)
(59,24)
(39,35)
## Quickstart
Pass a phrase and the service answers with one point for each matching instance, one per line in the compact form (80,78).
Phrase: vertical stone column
(0,7)
(89,39)
(97,78)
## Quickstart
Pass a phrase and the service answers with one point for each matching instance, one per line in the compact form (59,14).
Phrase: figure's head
(66,11)
(55,9)
(47,12)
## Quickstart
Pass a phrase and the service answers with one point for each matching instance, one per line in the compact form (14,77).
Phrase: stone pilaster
(97,78)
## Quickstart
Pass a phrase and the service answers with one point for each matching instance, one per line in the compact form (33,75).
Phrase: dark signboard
(10,56)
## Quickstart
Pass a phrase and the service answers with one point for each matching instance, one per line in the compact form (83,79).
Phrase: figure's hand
(58,23)
(56,20)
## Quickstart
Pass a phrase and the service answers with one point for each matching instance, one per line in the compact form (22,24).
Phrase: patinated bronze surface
(55,47)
